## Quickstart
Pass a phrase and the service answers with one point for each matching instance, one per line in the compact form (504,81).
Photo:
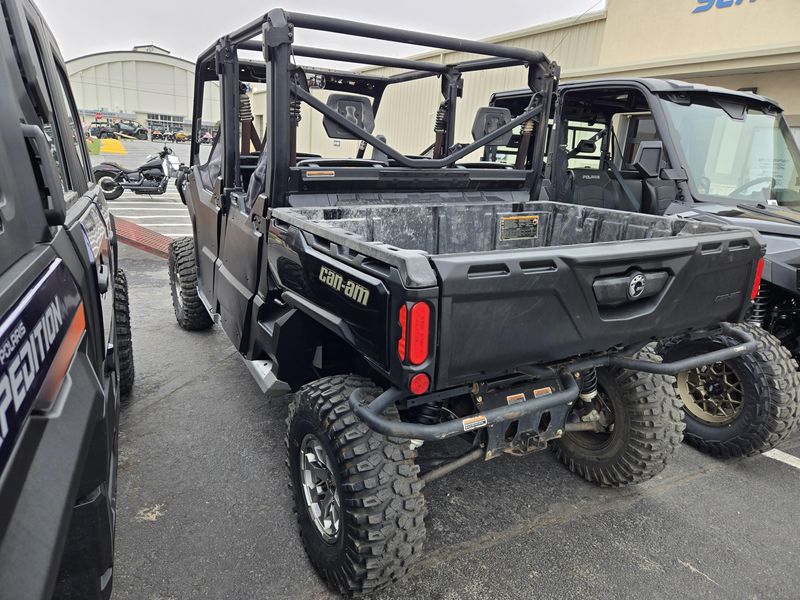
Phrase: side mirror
(648,158)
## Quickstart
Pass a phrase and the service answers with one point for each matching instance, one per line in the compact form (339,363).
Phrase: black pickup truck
(65,346)
(407,298)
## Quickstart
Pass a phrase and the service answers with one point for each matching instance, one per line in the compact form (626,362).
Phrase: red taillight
(419,324)
(401,344)
(415,329)
(757,282)
(419,384)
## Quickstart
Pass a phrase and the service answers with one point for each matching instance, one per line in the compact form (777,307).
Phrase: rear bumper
(370,411)
(55,460)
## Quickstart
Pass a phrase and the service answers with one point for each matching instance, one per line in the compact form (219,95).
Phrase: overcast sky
(186,27)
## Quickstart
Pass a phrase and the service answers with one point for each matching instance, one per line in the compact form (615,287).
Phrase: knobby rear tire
(382,526)
(771,397)
(190,312)
(648,427)
(122,325)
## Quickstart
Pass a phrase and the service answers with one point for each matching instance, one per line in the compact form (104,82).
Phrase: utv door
(237,268)
(205,186)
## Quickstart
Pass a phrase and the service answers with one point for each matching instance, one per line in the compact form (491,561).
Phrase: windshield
(736,151)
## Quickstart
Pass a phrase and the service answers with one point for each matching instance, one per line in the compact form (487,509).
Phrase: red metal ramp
(142,238)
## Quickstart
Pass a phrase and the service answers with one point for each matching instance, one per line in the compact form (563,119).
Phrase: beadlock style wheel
(713,394)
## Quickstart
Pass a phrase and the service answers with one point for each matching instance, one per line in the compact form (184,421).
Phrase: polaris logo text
(22,354)
(349,288)
(706,5)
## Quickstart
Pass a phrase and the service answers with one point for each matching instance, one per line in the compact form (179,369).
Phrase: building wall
(135,82)
(648,31)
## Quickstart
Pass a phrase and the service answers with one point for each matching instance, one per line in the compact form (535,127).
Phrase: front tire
(359,504)
(122,328)
(189,310)
(744,406)
(647,428)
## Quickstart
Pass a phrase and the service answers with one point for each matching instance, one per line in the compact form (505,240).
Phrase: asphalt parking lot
(204,509)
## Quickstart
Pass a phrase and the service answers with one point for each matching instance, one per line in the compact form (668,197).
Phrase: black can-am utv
(713,155)
(408,299)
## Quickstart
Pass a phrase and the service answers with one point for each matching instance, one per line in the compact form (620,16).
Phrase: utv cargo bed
(520,283)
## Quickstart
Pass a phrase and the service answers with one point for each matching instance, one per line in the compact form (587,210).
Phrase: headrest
(356,109)
(489,119)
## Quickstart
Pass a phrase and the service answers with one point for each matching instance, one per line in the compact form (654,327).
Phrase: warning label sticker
(475,422)
(519,227)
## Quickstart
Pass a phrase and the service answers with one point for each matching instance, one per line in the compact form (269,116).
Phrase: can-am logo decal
(31,335)
(351,289)
(706,5)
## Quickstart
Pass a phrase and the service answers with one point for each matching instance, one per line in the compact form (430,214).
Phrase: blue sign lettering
(705,5)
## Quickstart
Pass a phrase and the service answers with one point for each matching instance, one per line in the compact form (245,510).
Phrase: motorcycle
(150,178)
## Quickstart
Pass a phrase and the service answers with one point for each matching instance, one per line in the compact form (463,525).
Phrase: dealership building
(740,44)
(145,84)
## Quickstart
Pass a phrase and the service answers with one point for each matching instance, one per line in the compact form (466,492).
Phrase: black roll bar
(380,32)
(401,158)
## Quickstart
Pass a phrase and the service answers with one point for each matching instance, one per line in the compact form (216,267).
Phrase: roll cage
(286,83)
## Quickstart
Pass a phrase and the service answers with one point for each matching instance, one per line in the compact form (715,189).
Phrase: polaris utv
(709,154)
(406,299)
(65,345)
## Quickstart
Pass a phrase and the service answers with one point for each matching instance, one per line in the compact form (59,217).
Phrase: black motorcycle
(150,178)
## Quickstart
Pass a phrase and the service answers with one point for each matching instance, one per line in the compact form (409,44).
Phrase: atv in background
(100,129)
(709,154)
(405,300)
(131,128)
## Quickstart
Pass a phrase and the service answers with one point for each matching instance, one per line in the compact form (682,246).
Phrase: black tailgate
(504,309)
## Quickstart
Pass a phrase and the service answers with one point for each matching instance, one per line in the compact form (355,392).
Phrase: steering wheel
(750,184)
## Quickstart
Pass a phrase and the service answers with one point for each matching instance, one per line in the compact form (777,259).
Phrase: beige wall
(648,30)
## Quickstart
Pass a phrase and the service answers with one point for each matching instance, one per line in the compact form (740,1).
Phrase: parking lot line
(783,457)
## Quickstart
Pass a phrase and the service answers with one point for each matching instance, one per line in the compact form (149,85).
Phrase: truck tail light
(757,282)
(419,325)
(415,327)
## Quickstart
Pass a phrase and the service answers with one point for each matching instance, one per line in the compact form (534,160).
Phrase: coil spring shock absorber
(427,414)
(294,110)
(441,119)
(524,144)
(759,309)
(245,110)
(439,127)
(588,384)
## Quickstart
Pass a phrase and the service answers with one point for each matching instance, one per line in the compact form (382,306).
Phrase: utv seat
(598,189)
